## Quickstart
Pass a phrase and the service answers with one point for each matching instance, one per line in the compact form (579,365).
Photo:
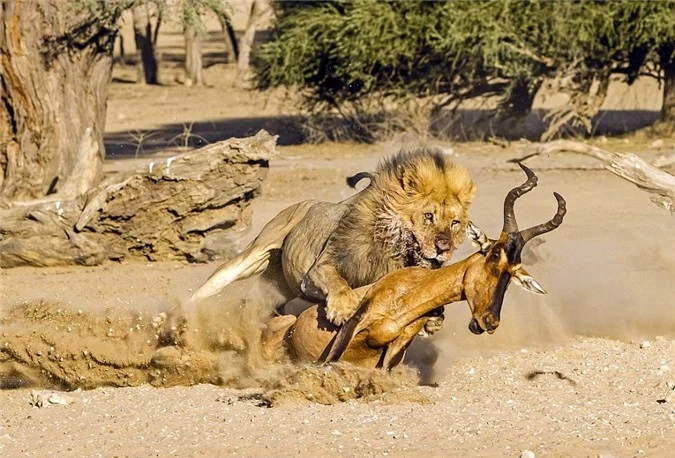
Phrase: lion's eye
(429,217)
(454,224)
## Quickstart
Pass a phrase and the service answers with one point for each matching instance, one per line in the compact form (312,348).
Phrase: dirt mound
(343,382)
(52,345)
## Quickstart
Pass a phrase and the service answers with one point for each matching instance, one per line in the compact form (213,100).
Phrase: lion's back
(304,243)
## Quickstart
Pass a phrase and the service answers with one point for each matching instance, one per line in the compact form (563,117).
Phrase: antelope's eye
(429,217)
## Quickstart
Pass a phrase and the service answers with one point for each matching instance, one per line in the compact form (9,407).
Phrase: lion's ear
(467,193)
(409,179)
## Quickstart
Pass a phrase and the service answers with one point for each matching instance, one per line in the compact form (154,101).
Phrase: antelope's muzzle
(487,323)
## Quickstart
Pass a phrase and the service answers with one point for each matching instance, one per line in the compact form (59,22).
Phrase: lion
(414,212)
(394,309)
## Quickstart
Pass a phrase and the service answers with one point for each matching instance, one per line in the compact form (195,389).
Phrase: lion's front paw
(434,323)
(341,306)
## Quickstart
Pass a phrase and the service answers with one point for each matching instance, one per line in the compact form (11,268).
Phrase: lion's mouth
(432,263)
(415,256)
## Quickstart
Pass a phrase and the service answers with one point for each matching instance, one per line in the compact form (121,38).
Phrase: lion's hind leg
(256,256)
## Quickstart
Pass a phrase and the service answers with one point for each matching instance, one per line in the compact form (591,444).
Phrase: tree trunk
(193,57)
(668,108)
(519,101)
(155,33)
(144,45)
(55,67)
(629,166)
(123,54)
(186,207)
(231,46)
(246,44)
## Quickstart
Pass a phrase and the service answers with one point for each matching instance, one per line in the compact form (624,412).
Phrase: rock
(656,144)
(527,454)
(41,399)
(668,398)
(645,344)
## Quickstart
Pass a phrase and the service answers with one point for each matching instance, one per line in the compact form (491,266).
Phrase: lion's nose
(443,243)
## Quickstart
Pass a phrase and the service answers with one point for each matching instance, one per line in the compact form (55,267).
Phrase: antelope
(394,310)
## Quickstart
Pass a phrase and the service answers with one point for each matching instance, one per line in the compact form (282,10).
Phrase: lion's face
(437,227)
(432,204)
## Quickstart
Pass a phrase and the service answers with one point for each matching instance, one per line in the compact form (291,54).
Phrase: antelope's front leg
(410,311)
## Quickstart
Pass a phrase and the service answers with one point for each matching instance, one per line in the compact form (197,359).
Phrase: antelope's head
(498,261)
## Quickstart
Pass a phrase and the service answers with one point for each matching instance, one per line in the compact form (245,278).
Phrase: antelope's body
(395,309)
(392,312)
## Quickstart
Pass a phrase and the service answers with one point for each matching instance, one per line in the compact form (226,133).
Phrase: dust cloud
(613,277)
(596,288)
(54,345)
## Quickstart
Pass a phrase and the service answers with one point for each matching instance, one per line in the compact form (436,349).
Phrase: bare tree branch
(628,166)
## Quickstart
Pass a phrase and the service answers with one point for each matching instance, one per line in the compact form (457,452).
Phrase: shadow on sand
(465,125)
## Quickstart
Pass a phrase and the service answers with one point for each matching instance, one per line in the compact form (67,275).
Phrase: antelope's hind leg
(274,337)
(396,349)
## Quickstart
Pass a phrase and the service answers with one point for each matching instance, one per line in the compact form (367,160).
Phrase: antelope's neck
(452,276)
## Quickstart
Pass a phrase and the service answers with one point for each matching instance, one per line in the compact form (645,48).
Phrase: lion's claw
(336,317)
(432,326)
(341,307)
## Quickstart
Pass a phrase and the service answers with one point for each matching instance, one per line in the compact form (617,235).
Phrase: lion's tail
(354,179)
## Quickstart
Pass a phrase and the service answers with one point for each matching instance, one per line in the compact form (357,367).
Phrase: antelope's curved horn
(510,224)
(548,226)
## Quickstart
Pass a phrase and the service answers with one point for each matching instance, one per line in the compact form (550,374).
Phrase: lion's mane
(375,237)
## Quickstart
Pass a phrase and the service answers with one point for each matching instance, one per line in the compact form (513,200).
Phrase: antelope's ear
(521,278)
(478,237)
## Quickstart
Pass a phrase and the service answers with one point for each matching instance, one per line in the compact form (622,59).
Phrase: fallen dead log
(173,209)
(625,165)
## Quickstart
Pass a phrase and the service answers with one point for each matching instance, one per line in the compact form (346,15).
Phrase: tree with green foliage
(189,14)
(644,41)
(345,57)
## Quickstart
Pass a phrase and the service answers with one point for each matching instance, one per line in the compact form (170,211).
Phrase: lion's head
(426,197)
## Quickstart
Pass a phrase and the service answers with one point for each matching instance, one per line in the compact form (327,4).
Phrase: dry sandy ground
(571,374)
(588,370)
